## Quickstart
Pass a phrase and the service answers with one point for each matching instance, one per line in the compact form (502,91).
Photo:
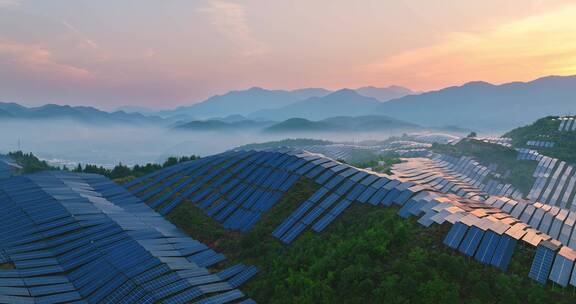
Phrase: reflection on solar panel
(8,167)
(82,238)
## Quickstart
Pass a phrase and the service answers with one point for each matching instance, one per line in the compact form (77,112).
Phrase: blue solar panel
(404,212)
(487,247)
(366,195)
(455,235)
(324,177)
(95,262)
(471,241)
(561,270)
(542,263)
(331,216)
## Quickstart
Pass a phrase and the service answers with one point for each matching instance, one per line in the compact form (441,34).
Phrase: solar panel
(487,247)
(94,262)
(455,235)
(542,263)
(562,267)
(471,241)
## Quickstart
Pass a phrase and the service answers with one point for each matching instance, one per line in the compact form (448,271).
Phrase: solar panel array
(484,227)
(540,143)
(81,238)
(338,151)
(528,154)
(555,183)
(463,176)
(7,167)
(348,152)
(567,123)
(432,138)
(234,188)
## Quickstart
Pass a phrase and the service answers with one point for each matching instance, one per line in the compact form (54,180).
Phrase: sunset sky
(166,53)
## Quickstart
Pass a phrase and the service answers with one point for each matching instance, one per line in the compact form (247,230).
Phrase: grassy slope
(486,153)
(368,255)
(546,129)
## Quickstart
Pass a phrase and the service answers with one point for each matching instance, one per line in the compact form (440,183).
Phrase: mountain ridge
(344,102)
(487,106)
(84,114)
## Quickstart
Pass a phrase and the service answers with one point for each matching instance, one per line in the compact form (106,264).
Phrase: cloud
(524,49)
(83,38)
(230,20)
(36,61)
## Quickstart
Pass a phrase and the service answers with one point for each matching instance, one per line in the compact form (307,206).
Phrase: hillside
(345,102)
(368,253)
(342,124)
(218,125)
(518,174)
(300,125)
(89,115)
(546,130)
(486,106)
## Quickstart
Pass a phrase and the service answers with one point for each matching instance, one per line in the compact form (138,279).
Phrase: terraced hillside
(553,136)
(81,238)
(551,141)
(242,190)
(493,164)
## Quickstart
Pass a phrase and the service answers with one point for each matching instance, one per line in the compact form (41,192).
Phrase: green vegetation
(546,129)
(472,135)
(122,174)
(29,162)
(519,173)
(289,142)
(368,255)
(380,164)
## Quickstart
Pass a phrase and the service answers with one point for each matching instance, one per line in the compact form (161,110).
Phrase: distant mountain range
(485,106)
(475,105)
(385,94)
(345,124)
(13,111)
(254,100)
(344,102)
(220,125)
(242,102)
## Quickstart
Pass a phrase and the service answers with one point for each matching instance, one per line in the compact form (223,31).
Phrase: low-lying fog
(69,143)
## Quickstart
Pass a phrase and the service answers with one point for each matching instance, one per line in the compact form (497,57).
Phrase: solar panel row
(82,238)
(567,124)
(437,191)
(555,183)
(234,188)
(528,154)
(540,143)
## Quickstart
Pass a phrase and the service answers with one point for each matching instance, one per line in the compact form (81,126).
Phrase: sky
(163,54)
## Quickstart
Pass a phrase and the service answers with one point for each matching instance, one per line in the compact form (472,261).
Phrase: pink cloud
(35,60)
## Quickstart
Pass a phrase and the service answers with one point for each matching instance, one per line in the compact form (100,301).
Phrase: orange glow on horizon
(521,50)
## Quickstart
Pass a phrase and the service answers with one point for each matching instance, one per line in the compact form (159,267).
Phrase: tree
(472,135)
